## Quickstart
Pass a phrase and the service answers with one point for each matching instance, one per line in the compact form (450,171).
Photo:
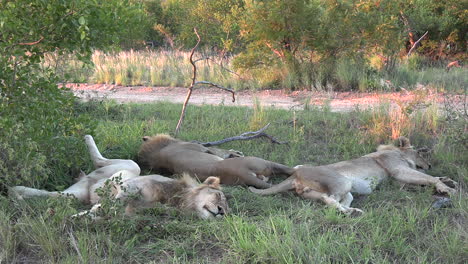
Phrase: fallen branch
(415,44)
(246,136)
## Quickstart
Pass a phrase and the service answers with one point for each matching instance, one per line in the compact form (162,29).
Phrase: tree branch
(194,82)
(218,86)
(415,44)
(31,43)
(246,136)
(219,64)
(190,89)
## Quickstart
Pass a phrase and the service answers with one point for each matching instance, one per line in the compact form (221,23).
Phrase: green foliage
(40,128)
(39,124)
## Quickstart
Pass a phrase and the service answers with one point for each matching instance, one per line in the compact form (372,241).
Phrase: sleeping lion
(165,152)
(206,199)
(334,183)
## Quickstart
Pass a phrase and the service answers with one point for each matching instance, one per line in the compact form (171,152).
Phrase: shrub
(41,130)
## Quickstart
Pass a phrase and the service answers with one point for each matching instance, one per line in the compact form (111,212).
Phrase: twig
(31,43)
(219,64)
(415,44)
(220,87)
(246,136)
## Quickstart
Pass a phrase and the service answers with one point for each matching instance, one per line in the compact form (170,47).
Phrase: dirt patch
(338,101)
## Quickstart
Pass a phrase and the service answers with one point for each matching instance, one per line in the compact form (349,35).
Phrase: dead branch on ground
(194,82)
(245,136)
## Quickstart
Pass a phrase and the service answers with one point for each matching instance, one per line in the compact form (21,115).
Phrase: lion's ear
(403,142)
(212,182)
(146,138)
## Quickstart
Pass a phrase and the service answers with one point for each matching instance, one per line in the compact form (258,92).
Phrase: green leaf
(82,20)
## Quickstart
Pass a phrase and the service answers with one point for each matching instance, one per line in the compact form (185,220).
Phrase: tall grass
(150,68)
(172,68)
(399,225)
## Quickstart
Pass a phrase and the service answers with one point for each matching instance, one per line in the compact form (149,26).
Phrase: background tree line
(297,30)
(312,41)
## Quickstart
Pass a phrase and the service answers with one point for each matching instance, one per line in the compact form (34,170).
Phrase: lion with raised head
(165,152)
(334,183)
(206,199)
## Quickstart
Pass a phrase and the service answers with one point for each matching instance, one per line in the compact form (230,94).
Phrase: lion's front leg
(408,175)
(93,212)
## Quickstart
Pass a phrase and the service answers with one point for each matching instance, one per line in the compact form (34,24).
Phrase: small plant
(110,207)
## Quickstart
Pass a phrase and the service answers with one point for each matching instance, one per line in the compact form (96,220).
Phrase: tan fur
(334,183)
(164,152)
(206,200)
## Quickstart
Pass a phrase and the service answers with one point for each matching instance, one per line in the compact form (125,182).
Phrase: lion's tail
(284,186)
(280,169)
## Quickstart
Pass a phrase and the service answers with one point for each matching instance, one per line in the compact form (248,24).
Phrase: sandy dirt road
(338,101)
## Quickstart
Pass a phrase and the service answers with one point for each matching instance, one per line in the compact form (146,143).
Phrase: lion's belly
(364,172)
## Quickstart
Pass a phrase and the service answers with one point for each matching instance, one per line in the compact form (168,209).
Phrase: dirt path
(339,102)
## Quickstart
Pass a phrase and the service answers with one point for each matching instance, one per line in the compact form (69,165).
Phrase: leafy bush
(41,131)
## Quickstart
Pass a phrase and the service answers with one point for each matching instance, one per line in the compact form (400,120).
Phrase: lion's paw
(354,212)
(444,189)
(449,182)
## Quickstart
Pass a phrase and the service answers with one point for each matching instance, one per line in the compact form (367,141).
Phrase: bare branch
(415,44)
(219,64)
(190,89)
(202,59)
(31,43)
(194,82)
(279,53)
(220,87)
(246,136)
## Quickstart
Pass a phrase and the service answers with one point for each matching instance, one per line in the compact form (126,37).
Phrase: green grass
(399,225)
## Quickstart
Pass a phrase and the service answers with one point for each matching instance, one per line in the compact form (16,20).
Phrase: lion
(164,152)
(334,183)
(206,199)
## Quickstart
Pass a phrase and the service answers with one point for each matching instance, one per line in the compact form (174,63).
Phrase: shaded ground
(338,101)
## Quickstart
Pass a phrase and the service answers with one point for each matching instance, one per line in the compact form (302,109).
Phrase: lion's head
(206,199)
(415,157)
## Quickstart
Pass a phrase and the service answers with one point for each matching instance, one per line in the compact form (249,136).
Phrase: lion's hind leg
(98,160)
(336,201)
